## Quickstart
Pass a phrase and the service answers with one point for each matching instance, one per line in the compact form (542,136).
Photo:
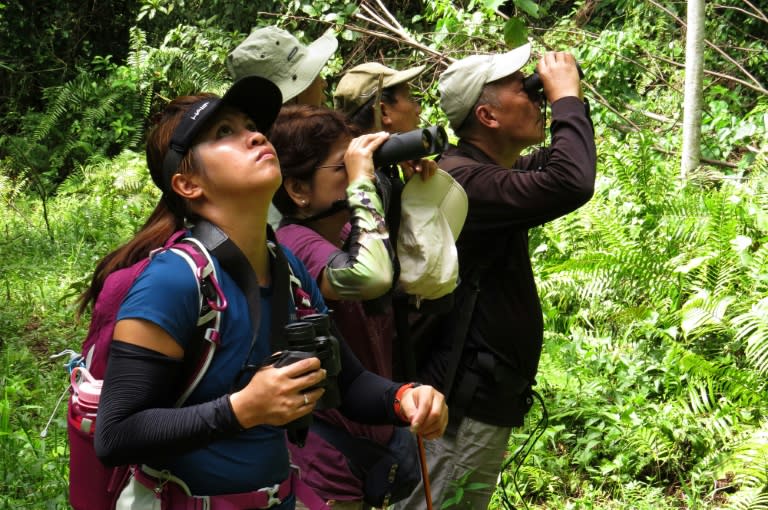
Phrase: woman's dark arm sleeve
(137,422)
(366,397)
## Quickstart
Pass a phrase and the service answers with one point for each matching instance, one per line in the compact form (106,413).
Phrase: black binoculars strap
(234,262)
(393,214)
(460,331)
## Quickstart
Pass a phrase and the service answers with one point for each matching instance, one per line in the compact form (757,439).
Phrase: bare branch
(710,44)
(605,103)
(719,75)
(760,16)
(657,148)
(376,19)
(758,12)
(438,57)
(391,18)
(651,115)
(716,162)
(374,33)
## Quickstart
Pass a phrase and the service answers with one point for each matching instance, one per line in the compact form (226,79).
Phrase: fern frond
(752,328)
(10,188)
(749,465)
(749,498)
(722,378)
(758,269)
(65,97)
(705,313)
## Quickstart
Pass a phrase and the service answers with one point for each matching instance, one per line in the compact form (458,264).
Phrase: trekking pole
(424,472)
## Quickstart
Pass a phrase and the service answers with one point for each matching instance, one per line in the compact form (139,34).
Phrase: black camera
(533,86)
(410,145)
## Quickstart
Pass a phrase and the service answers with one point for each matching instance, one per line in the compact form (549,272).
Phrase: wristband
(399,395)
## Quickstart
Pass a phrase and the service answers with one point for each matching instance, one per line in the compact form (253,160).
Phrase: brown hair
(170,212)
(303,136)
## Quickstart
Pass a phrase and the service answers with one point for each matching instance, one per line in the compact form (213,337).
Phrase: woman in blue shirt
(210,158)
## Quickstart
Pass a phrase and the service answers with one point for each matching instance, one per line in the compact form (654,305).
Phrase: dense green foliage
(655,293)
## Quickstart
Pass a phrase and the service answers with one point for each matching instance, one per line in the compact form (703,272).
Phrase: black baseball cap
(255,96)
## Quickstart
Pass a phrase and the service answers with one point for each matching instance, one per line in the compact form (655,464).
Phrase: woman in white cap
(225,448)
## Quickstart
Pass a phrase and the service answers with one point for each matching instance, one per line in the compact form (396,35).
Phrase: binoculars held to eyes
(533,86)
(411,145)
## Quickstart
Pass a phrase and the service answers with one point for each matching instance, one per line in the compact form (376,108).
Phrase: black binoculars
(308,338)
(533,86)
(410,145)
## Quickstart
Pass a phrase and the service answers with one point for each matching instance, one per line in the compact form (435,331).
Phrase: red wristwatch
(399,395)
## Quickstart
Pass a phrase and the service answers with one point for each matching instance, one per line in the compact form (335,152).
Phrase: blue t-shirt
(166,294)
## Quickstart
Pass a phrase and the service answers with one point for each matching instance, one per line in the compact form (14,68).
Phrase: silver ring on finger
(306,400)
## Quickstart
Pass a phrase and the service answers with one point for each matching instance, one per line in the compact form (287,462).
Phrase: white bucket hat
(432,216)
(273,53)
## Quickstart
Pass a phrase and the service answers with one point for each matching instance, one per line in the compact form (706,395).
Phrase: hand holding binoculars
(535,88)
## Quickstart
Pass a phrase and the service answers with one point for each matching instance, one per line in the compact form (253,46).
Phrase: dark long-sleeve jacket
(504,204)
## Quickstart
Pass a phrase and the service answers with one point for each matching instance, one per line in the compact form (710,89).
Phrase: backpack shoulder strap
(301,300)
(212,303)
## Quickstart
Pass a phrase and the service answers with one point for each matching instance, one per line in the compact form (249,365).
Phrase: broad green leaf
(741,243)
(473,486)
(528,6)
(515,32)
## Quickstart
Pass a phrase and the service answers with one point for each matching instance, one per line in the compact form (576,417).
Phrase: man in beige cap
(487,357)
(273,53)
(395,111)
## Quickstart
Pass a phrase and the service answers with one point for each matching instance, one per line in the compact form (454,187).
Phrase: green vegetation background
(655,294)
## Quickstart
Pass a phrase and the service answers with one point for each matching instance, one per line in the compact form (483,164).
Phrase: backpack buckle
(211,290)
(271,491)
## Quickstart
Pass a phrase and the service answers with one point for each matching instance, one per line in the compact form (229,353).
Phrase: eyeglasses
(337,165)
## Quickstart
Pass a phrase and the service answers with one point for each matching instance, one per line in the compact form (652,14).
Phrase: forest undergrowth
(655,293)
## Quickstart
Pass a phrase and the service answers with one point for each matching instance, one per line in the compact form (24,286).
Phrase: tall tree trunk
(694,71)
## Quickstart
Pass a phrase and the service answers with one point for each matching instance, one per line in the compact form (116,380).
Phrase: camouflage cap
(359,84)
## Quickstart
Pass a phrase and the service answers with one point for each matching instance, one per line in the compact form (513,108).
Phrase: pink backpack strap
(176,496)
(212,303)
(204,270)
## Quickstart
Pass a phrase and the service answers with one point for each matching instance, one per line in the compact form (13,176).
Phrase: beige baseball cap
(273,53)
(359,84)
(461,84)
